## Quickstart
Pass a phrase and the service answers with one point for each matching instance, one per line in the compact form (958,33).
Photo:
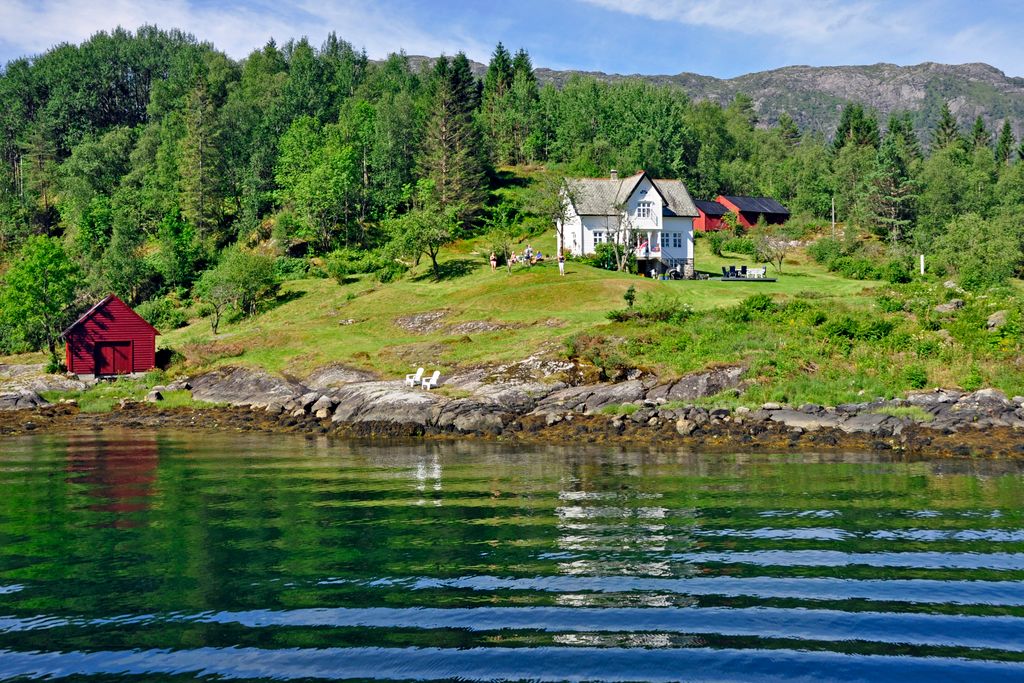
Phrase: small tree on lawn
(214,290)
(425,229)
(553,200)
(772,246)
(622,236)
(502,233)
(242,280)
(39,292)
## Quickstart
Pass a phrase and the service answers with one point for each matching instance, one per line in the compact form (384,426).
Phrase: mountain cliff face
(814,96)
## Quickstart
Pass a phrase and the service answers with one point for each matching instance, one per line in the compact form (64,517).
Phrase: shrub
(346,262)
(600,352)
(741,245)
(716,240)
(889,304)
(162,314)
(895,272)
(915,376)
(630,296)
(974,379)
(854,268)
(291,268)
(826,250)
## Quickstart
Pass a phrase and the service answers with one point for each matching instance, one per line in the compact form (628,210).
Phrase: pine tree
(788,131)
(1005,143)
(499,75)
(892,193)
(856,127)
(199,163)
(947,132)
(901,129)
(980,137)
(452,150)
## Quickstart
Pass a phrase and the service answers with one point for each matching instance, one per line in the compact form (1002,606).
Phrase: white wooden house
(652,216)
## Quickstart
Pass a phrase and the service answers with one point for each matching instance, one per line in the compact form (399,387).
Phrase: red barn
(110,339)
(709,216)
(749,209)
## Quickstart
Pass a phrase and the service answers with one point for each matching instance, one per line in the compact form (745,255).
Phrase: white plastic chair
(431,382)
(413,380)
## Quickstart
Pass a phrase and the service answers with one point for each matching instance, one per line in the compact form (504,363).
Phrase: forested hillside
(154,166)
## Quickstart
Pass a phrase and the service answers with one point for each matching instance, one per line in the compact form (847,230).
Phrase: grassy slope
(540,308)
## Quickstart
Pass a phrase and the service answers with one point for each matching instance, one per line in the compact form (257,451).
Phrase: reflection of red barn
(709,216)
(110,339)
(749,209)
(116,476)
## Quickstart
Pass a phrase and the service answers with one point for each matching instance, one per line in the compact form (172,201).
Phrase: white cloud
(30,27)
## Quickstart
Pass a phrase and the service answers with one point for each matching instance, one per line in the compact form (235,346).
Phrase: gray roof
(600,196)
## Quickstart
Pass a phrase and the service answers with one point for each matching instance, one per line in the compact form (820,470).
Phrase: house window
(677,239)
(598,237)
(664,240)
(645,209)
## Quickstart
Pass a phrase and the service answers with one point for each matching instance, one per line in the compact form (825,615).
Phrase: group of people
(529,258)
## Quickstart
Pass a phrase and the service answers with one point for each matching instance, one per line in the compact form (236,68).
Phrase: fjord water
(175,556)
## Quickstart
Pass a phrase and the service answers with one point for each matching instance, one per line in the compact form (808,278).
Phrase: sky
(722,38)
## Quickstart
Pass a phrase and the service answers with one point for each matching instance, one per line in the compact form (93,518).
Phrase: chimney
(614,174)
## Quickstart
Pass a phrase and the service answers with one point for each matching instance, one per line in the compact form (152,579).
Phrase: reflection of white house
(652,216)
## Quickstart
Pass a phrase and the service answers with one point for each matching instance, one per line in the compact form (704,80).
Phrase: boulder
(950,306)
(245,387)
(699,384)
(22,399)
(154,396)
(869,423)
(996,320)
(392,402)
(798,419)
(685,427)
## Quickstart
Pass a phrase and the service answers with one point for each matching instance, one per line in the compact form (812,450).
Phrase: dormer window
(644,209)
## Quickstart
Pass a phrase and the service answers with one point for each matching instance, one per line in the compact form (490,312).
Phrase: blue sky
(715,37)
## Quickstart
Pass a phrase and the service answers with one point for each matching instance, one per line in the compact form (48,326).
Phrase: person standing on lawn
(561,263)
(494,261)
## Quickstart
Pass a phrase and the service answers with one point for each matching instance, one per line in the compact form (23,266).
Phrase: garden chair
(413,380)
(432,381)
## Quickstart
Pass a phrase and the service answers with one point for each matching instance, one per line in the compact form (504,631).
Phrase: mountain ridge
(815,95)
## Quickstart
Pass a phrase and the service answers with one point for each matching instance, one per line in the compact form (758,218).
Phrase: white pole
(922,264)
(833,217)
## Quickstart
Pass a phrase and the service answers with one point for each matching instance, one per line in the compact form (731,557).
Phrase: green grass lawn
(535,308)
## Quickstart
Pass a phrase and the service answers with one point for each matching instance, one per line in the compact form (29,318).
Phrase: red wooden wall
(110,339)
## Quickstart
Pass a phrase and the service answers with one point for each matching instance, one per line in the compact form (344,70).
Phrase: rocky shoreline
(537,400)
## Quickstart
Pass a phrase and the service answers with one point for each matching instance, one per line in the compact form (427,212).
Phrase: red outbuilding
(110,339)
(709,216)
(749,209)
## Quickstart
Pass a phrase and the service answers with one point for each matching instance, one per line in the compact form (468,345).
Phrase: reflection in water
(119,475)
(150,555)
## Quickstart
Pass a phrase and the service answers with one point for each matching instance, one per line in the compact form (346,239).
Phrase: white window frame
(645,209)
(598,237)
(664,239)
(677,240)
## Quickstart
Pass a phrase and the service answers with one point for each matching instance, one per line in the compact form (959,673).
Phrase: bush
(658,307)
(346,262)
(974,380)
(889,304)
(750,308)
(291,268)
(716,240)
(741,245)
(915,376)
(600,352)
(826,250)
(895,272)
(854,268)
(162,314)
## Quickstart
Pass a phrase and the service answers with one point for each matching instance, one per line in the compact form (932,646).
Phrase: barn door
(113,358)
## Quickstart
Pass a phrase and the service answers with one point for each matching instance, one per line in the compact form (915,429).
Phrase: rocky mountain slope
(814,96)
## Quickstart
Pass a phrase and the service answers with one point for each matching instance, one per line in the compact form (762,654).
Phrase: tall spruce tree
(891,191)
(524,101)
(856,126)
(980,137)
(199,163)
(947,131)
(498,78)
(452,156)
(787,129)
(1005,143)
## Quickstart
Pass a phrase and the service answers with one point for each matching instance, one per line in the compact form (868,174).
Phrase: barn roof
(600,196)
(757,204)
(710,208)
(102,303)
